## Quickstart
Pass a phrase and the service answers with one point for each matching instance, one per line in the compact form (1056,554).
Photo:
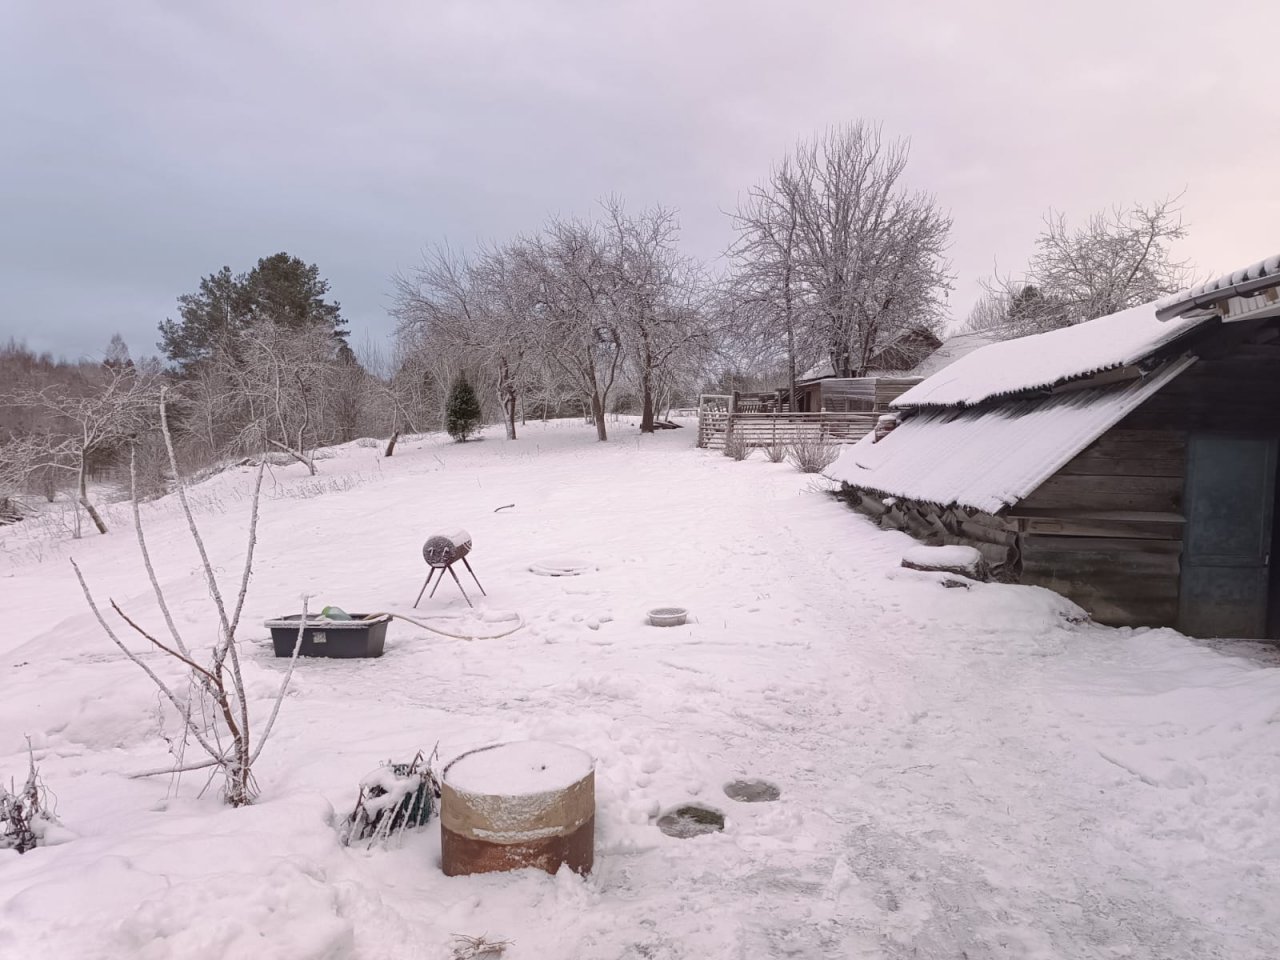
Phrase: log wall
(991,536)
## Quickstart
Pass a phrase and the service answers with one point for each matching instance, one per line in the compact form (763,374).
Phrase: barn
(1128,463)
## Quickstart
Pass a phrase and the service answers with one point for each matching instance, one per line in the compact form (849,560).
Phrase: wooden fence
(717,419)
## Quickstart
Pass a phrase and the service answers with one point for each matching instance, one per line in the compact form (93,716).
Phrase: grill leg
(473,576)
(454,574)
(439,580)
(424,588)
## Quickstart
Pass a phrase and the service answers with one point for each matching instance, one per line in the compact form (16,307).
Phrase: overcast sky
(146,144)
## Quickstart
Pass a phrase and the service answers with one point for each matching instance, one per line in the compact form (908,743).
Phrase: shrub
(736,447)
(776,452)
(462,416)
(813,456)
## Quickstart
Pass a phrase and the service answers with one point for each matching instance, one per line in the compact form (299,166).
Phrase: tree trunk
(597,411)
(646,409)
(646,385)
(84,499)
(789,319)
(507,396)
(391,444)
(509,421)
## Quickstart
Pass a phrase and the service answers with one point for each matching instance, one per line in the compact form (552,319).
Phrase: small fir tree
(463,414)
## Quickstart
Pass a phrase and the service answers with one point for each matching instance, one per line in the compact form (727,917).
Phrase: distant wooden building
(848,394)
(1128,463)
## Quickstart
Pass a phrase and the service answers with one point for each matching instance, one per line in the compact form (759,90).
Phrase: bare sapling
(215,712)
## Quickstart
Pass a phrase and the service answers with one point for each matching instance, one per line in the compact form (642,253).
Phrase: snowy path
(964,773)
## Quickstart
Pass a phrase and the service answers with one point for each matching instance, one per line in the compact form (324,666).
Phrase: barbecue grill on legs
(441,552)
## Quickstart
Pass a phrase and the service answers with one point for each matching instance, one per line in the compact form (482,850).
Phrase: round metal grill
(442,551)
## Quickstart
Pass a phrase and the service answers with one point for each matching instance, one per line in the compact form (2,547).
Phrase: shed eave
(991,459)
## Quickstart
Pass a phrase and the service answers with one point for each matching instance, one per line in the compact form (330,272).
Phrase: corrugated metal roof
(991,459)
(1244,283)
(1045,359)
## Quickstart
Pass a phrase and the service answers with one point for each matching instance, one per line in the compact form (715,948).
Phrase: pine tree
(462,416)
(280,289)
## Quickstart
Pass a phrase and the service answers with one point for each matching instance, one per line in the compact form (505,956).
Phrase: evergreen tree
(117,356)
(462,416)
(280,289)
(209,318)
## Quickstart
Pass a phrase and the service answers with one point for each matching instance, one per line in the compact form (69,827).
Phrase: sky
(147,144)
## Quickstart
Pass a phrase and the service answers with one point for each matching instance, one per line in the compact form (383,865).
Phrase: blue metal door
(1226,553)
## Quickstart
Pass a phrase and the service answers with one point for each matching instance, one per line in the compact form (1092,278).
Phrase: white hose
(446,633)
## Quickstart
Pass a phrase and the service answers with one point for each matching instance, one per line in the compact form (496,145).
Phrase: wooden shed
(848,394)
(1128,463)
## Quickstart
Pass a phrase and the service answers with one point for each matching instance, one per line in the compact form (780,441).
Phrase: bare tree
(505,326)
(842,257)
(766,285)
(387,392)
(82,429)
(579,334)
(872,253)
(654,292)
(283,384)
(1119,259)
(477,312)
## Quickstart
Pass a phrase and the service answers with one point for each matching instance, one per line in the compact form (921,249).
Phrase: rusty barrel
(529,803)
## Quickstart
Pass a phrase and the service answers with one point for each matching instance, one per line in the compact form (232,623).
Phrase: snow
(990,459)
(952,349)
(1044,359)
(952,557)
(518,769)
(962,772)
(455,535)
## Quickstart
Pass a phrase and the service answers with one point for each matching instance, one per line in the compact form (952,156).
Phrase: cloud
(152,142)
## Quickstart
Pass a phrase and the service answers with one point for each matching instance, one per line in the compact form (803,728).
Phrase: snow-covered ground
(965,773)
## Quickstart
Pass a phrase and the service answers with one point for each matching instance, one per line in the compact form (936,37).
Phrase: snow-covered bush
(25,815)
(394,798)
(775,452)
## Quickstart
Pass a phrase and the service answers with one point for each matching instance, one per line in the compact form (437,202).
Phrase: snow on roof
(820,371)
(1244,282)
(952,349)
(990,459)
(1044,359)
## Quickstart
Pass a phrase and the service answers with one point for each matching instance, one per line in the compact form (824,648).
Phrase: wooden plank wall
(769,429)
(864,394)
(1106,530)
